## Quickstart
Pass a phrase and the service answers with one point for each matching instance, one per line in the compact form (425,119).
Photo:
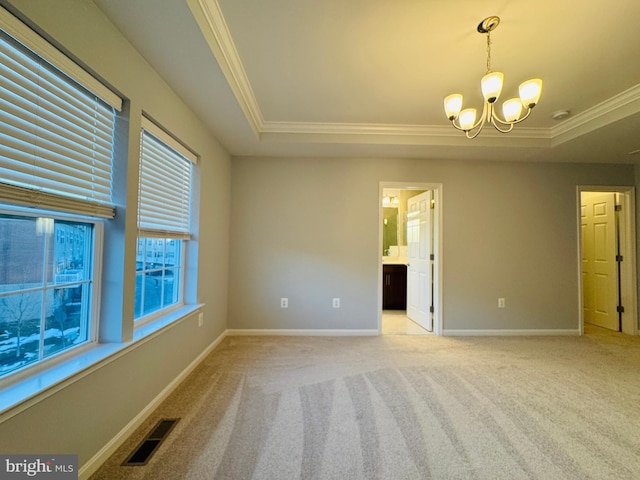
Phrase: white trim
(381,129)
(627,240)
(611,110)
(23,394)
(34,42)
(615,108)
(263,332)
(438,244)
(92,465)
(96,292)
(39,368)
(510,333)
(213,26)
(629,265)
(383,134)
(158,132)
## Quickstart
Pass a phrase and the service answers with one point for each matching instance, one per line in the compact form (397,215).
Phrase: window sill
(22,394)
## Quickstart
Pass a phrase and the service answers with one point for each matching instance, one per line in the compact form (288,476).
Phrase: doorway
(607,268)
(409,262)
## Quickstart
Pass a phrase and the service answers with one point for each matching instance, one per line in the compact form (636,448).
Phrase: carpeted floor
(402,407)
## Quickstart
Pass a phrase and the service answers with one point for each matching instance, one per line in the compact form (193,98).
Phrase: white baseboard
(301,332)
(92,465)
(509,333)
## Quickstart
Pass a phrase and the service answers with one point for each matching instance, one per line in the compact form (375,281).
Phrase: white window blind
(56,138)
(164,188)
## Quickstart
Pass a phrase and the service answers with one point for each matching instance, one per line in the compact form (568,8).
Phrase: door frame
(628,268)
(436,188)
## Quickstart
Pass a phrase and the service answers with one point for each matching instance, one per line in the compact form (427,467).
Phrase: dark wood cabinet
(394,287)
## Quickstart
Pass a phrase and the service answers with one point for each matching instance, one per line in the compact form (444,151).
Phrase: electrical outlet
(200,319)
(501,303)
(336,303)
(284,302)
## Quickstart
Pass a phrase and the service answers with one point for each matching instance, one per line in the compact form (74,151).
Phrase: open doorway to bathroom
(409,266)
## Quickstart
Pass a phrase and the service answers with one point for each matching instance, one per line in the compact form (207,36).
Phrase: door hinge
(620,309)
(618,208)
(432,257)
(431,309)
(619,258)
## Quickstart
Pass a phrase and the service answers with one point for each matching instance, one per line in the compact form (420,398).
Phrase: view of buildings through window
(45,288)
(164,211)
(158,263)
(58,127)
(56,155)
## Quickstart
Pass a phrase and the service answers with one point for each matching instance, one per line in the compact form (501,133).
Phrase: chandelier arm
(481,120)
(480,123)
(496,118)
(497,122)
(453,122)
(524,117)
(470,137)
(501,130)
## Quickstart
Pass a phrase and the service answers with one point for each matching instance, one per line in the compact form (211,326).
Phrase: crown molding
(386,129)
(208,15)
(210,19)
(391,134)
(611,110)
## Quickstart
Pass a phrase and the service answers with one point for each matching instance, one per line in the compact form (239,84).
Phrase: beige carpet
(402,407)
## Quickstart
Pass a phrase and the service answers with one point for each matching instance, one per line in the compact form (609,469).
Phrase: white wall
(307,229)
(84,416)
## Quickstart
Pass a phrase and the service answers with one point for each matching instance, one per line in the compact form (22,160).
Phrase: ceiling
(368,77)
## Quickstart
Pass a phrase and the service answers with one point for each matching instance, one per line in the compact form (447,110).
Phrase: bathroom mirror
(389,229)
(394,219)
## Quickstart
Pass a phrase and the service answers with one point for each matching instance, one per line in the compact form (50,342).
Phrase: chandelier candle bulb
(530,92)
(511,109)
(467,118)
(492,86)
(453,105)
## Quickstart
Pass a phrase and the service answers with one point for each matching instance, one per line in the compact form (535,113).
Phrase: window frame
(167,232)
(28,199)
(111,334)
(149,317)
(93,319)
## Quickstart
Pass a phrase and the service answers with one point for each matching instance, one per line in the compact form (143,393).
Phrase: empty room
(250,239)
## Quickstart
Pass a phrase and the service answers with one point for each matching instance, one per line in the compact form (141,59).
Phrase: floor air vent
(150,444)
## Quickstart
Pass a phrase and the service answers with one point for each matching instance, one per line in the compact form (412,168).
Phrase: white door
(419,284)
(599,265)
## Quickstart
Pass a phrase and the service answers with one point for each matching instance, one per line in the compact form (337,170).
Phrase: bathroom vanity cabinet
(394,287)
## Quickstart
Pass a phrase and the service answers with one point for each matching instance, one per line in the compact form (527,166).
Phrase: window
(164,214)
(158,276)
(56,150)
(46,287)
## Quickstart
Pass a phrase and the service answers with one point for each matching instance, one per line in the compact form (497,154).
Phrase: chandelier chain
(488,52)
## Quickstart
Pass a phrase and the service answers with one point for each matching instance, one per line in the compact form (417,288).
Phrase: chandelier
(491,85)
